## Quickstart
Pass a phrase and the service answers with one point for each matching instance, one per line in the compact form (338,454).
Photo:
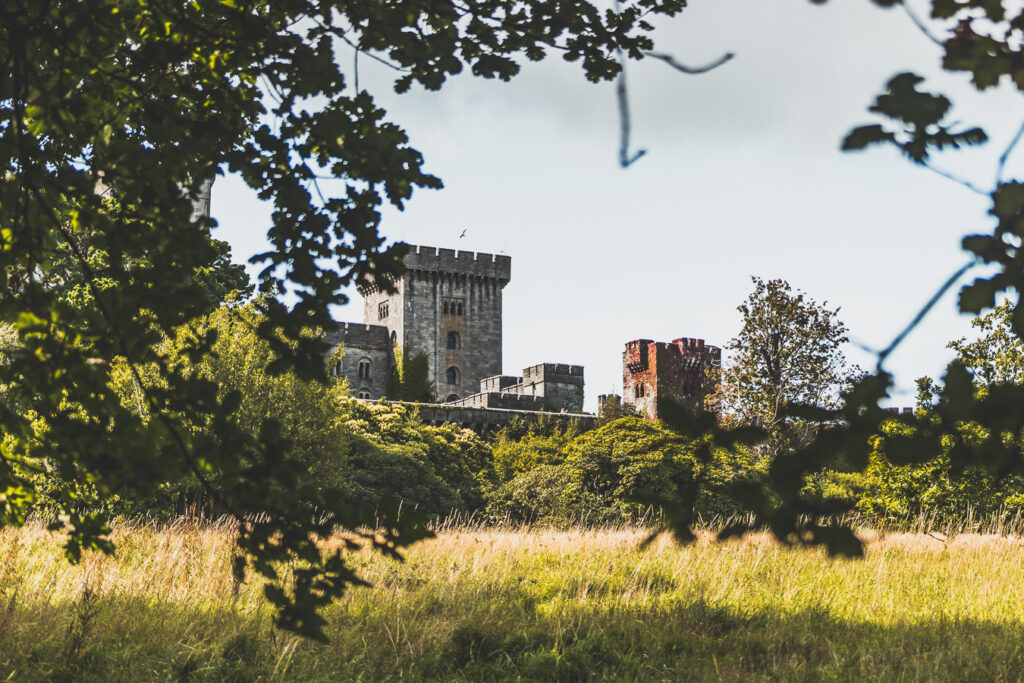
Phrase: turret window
(452,307)
(452,376)
(453,341)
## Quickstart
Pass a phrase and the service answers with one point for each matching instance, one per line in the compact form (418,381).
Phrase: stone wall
(366,360)
(483,420)
(503,400)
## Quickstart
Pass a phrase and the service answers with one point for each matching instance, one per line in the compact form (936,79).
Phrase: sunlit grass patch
(503,604)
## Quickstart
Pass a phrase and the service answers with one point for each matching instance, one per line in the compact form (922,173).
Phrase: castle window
(363,394)
(639,391)
(394,339)
(452,397)
(453,340)
(382,310)
(452,376)
(364,368)
(452,307)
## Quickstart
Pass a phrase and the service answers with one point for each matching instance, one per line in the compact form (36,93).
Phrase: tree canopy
(788,352)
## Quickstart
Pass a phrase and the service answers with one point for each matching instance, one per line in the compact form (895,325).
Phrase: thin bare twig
(960,181)
(671,61)
(1006,154)
(920,24)
(884,353)
(626,159)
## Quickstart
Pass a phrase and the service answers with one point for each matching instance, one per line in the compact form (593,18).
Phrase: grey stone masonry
(547,386)
(483,420)
(366,359)
(505,401)
(448,305)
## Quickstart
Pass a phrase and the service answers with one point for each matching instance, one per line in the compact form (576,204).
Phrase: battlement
(691,350)
(553,372)
(478,264)
(362,335)
(498,383)
(502,400)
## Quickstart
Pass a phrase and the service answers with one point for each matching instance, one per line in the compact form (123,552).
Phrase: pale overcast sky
(743,176)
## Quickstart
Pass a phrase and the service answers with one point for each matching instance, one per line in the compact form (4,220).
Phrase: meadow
(524,604)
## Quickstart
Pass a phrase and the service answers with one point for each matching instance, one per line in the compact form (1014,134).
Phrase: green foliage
(621,471)
(436,470)
(410,378)
(305,410)
(997,355)
(613,408)
(917,118)
(519,451)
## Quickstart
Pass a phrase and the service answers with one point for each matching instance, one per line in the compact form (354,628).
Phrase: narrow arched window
(394,339)
(453,340)
(446,308)
(460,308)
(452,376)
(337,369)
(452,397)
(364,368)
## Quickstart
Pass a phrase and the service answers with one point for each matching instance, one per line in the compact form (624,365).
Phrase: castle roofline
(439,259)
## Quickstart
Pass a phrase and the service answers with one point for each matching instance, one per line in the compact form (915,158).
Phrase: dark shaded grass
(137,640)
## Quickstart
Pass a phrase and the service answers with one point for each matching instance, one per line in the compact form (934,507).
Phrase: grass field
(522,604)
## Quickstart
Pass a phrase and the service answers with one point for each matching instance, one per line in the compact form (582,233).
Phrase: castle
(448,305)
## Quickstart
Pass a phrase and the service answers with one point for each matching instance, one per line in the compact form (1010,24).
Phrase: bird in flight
(462,235)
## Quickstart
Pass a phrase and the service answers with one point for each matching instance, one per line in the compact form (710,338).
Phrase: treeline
(550,472)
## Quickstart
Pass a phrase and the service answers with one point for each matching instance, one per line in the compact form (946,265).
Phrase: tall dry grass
(513,603)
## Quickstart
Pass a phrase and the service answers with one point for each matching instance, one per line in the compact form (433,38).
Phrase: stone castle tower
(448,305)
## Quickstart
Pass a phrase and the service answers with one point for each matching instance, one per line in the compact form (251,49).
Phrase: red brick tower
(684,370)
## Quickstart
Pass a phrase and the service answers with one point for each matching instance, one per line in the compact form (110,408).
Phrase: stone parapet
(361,335)
(478,264)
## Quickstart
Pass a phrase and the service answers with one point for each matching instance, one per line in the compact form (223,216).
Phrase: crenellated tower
(448,305)
(684,370)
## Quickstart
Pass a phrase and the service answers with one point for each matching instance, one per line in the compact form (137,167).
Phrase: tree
(153,99)
(787,353)
(997,356)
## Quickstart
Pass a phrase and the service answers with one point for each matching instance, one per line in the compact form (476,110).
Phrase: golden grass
(477,604)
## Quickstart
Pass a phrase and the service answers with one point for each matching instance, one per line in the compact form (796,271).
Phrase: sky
(743,177)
